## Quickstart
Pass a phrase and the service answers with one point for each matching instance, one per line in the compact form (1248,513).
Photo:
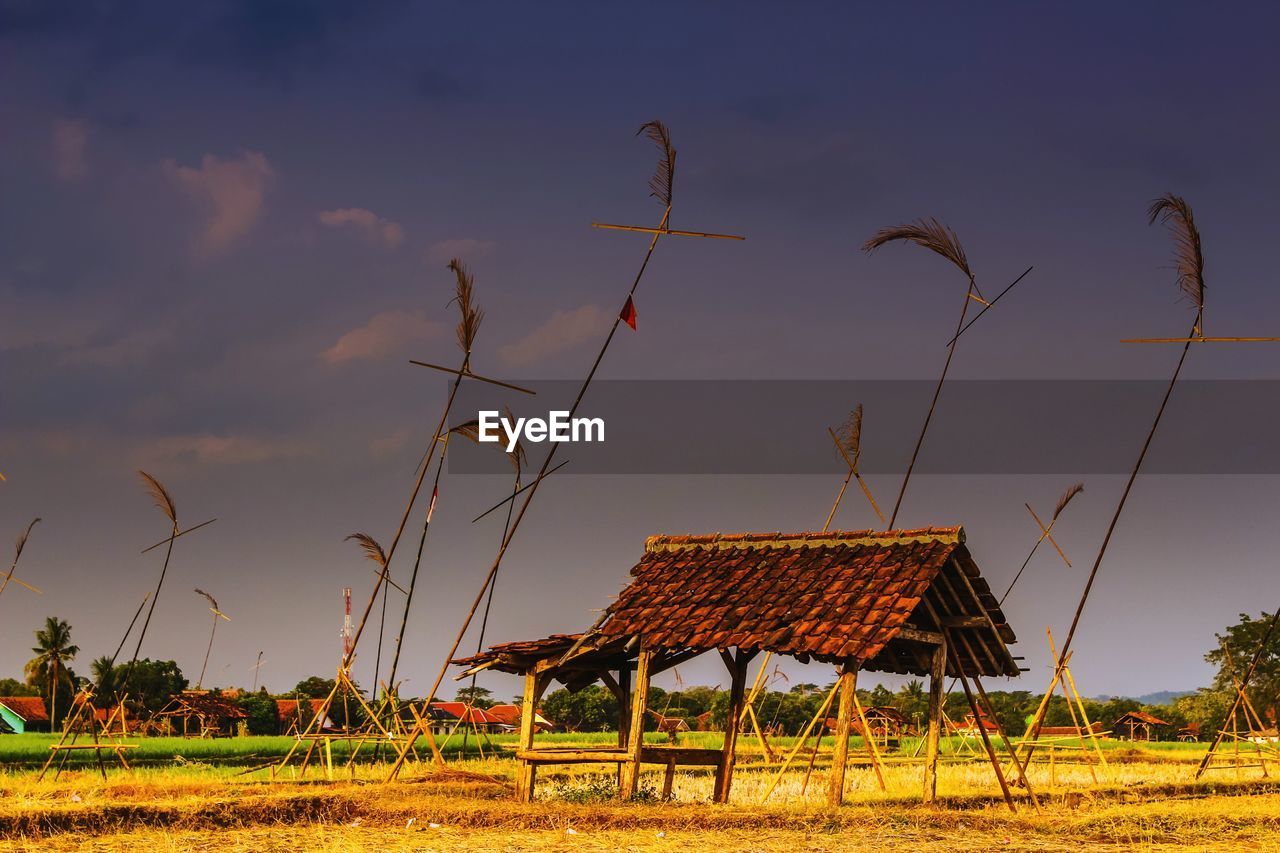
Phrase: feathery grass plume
(22,541)
(928,233)
(1066,498)
(850,434)
(213,604)
(1174,212)
(663,178)
(471,313)
(471,429)
(161,496)
(371,548)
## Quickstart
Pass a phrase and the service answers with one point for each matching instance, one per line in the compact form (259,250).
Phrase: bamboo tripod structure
(1241,700)
(316,738)
(61,750)
(1063,680)
(661,188)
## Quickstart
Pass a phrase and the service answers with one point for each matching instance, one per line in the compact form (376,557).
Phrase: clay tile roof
(833,596)
(473,715)
(30,708)
(1141,717)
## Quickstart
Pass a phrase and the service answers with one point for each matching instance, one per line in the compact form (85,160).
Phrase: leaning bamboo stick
(662,184)
(1176,214)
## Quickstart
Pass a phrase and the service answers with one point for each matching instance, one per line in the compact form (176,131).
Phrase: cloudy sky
(225,229)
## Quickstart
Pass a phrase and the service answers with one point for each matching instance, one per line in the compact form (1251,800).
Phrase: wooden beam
(937,675)
(919,636)
(964,621)
(630,781)
(737,698)
(844,718)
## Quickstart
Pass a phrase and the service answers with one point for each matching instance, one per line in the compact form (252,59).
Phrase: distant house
(1190,733)
(197,713)
(294,715)
(509,718)
(1137,725)
(19,714)
(670,726)
(445,717)
(1094,729)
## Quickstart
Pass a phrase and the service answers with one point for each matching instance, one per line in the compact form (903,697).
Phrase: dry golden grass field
(1144,800)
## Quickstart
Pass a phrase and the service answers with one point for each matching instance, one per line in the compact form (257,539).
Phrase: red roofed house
(19,714)
(445,717)
(509,717)
(1138,725)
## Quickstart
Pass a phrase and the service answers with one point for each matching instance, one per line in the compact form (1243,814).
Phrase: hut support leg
(635,730)
(624,712)
(937,675)
(844,720)
(528,708)
(737,665)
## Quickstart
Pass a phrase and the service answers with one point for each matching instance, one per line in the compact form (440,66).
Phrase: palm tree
(53,647)
(104,675)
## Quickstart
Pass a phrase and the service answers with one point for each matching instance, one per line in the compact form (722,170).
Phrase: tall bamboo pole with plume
(19,546)
(938,238)
(218,615)
(164,502)
(1175,214)
(1065,499)
(468,326)
(660,187)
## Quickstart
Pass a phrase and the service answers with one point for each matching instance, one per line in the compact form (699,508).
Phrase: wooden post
(624,711)
(635,731)
(528,709)
(937,675)
(737,700)
(844,718)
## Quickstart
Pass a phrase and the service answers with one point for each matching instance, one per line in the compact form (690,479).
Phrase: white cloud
(464,248)
(384,334)
(70,139)
(375,229)
(208,449)
(232,190)
(564,330)
(391,443)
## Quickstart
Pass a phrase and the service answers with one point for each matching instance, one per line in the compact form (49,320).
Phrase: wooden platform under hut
(908,602)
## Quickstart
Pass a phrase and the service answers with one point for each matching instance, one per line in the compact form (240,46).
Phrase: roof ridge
(807,539)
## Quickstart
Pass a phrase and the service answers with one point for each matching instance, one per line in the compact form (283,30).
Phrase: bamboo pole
(1036,724)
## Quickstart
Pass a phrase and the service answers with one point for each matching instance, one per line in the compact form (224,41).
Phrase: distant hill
(1160,697)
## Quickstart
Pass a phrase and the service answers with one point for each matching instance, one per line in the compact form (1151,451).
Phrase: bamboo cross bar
(509,498)
(666,231)
(1045,534)
(467,374)
(1198,339)
(989,304)
(176,535)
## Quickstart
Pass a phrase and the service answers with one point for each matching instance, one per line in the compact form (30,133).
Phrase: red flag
(628,314)
(432,508)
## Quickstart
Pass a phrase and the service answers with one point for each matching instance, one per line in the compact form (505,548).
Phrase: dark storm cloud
(174,300)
